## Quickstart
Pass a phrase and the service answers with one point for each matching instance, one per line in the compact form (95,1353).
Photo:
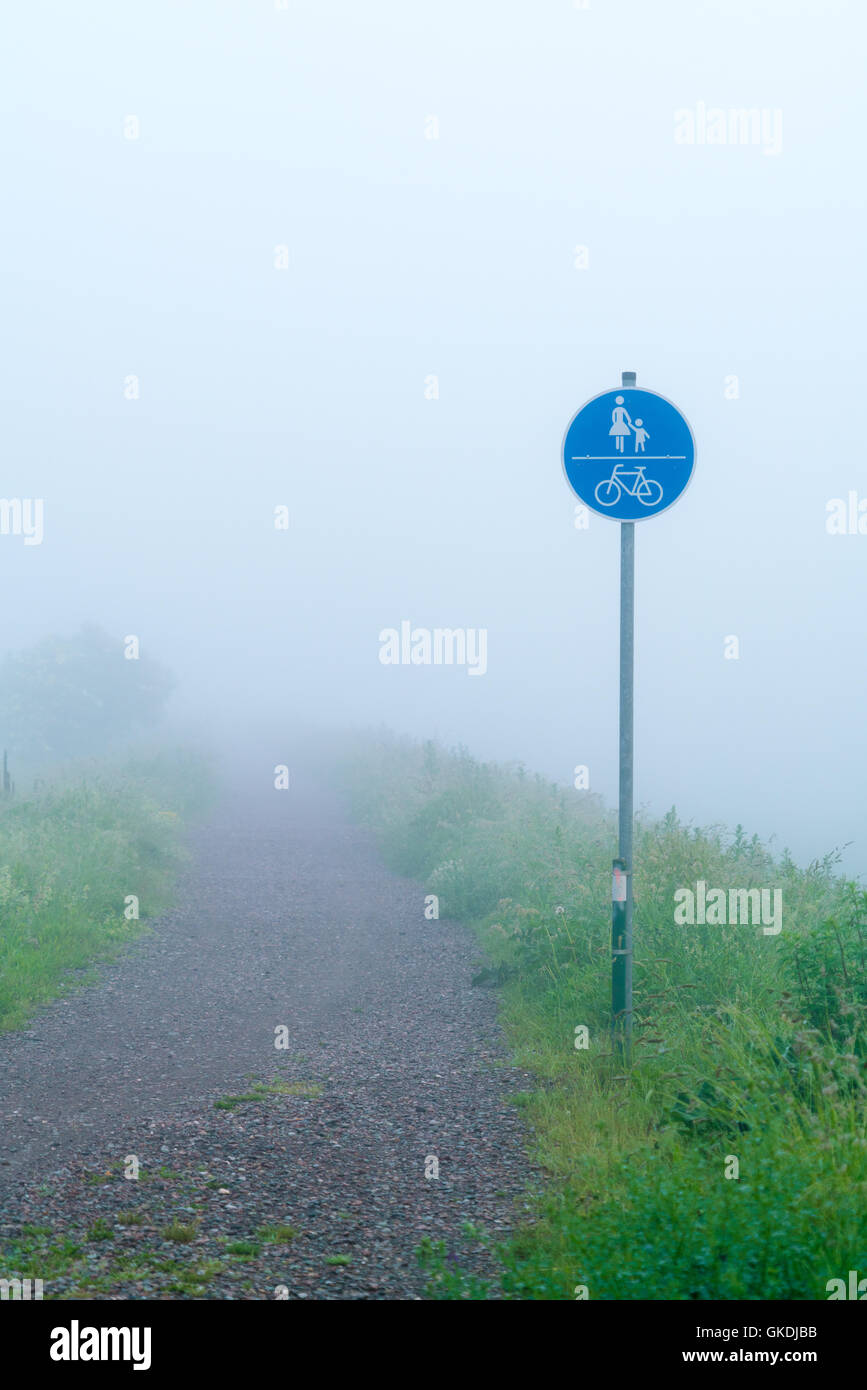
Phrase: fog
(365,263)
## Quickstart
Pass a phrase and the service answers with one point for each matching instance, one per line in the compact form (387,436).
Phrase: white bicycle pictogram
(647,490)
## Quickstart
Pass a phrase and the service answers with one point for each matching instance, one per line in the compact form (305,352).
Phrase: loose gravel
(266,1172)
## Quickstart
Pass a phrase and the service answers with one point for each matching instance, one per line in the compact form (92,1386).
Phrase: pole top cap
(628,378)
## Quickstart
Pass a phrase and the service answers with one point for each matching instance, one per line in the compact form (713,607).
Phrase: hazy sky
(431,170)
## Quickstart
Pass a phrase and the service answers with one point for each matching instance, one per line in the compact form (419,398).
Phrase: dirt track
(286,916)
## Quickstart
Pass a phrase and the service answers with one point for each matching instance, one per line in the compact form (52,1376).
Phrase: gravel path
(286,917)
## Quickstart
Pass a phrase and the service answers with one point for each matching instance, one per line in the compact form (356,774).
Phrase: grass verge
(73,856)
(729,1160)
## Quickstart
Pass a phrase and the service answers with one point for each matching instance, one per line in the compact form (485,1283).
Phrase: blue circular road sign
(628,454)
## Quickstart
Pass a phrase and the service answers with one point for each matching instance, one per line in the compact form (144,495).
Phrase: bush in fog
(73,696)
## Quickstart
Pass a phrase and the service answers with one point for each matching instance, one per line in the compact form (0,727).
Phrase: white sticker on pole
(618,886)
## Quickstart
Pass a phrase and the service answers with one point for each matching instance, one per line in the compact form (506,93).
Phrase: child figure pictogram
(640,436)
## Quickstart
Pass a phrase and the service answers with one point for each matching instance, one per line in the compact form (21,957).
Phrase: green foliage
(69,697)
(183,1232)
(445,1278)
(746,1046)
(68,855)
(676,1228)
(828,964)
(279,1234)
(243,1249)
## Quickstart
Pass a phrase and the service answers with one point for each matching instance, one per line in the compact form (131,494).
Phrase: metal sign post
(621,911)
(627,485)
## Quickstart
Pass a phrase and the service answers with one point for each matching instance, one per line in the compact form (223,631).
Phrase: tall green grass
(747,1047)
(71,852)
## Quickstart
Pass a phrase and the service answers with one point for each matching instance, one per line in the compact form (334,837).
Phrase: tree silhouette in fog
(71,696)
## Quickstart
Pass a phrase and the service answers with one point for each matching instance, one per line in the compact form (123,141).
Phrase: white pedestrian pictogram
(621,423)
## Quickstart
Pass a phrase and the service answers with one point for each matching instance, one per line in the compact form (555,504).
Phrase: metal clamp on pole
(621,959)
(618,947)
